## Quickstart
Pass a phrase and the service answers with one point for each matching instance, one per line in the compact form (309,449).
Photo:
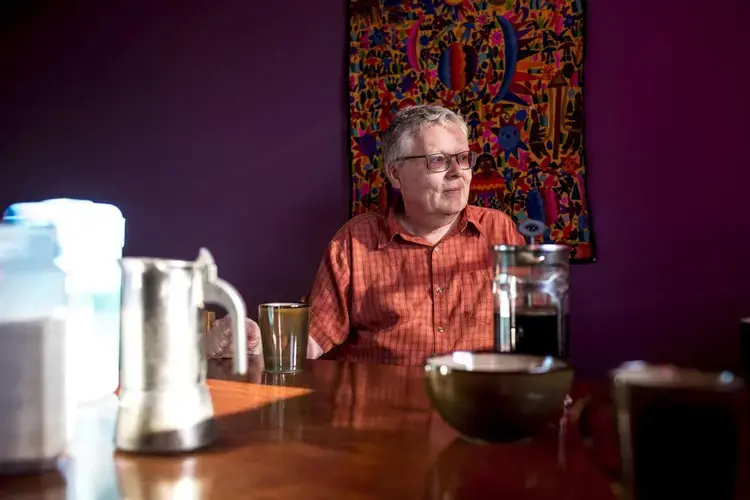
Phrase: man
(395,288)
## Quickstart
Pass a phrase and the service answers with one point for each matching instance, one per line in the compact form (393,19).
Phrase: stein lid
(531,255)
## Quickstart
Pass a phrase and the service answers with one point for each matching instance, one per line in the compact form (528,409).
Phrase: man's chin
(454,208)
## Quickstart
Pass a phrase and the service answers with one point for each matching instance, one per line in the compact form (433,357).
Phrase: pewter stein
(165,405)
(530,290)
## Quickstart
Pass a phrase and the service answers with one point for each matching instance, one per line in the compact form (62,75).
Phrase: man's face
(427,193)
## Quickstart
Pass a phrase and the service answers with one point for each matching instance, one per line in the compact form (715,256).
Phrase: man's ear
(393,174)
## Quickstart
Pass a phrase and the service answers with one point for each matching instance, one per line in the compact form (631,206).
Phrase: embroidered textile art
(513,69)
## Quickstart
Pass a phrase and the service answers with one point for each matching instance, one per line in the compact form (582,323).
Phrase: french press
(530,293)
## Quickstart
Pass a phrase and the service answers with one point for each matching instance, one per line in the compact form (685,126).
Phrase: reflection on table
(335,430)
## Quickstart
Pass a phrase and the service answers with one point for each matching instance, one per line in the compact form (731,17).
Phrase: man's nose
(454,169)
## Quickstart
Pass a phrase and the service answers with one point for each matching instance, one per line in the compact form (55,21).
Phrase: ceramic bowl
(498,397)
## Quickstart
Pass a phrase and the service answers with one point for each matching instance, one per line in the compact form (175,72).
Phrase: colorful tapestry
(513,69)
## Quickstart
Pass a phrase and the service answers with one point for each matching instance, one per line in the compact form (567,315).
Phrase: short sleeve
(330,296)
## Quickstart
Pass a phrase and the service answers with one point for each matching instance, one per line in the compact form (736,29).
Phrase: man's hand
(220,338)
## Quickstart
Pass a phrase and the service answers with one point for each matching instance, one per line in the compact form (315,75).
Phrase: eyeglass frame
(447,164)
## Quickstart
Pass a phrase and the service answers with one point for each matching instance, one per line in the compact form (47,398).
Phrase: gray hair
(410,121)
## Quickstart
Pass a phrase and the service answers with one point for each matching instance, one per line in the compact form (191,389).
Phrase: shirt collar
(391,227)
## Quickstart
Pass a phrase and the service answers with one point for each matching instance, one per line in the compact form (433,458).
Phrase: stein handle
(218,291)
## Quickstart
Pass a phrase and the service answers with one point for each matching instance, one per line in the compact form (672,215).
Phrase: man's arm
(313,349)
(329,299)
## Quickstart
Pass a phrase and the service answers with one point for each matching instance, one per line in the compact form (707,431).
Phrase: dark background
(224,124)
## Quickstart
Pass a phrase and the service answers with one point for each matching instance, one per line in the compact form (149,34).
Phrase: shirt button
(441,329)
(437,249)
(439,290)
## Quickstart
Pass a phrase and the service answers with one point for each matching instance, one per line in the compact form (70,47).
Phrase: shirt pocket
(477,307)
(385,305)
(391,289)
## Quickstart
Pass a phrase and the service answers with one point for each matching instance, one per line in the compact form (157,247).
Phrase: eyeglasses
(440,162)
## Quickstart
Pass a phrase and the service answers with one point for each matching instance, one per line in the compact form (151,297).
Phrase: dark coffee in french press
(530,291)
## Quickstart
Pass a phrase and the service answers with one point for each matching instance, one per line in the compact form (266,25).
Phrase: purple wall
(226,127)
(667,113)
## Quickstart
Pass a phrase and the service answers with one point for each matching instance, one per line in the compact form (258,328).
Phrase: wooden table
(334,431)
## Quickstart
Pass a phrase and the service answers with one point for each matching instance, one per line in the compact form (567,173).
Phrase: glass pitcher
(530,293)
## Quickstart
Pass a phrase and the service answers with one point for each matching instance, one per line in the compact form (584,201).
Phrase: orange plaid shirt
(382,295)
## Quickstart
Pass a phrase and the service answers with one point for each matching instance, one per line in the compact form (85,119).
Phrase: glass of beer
(679,431)
(283,334)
